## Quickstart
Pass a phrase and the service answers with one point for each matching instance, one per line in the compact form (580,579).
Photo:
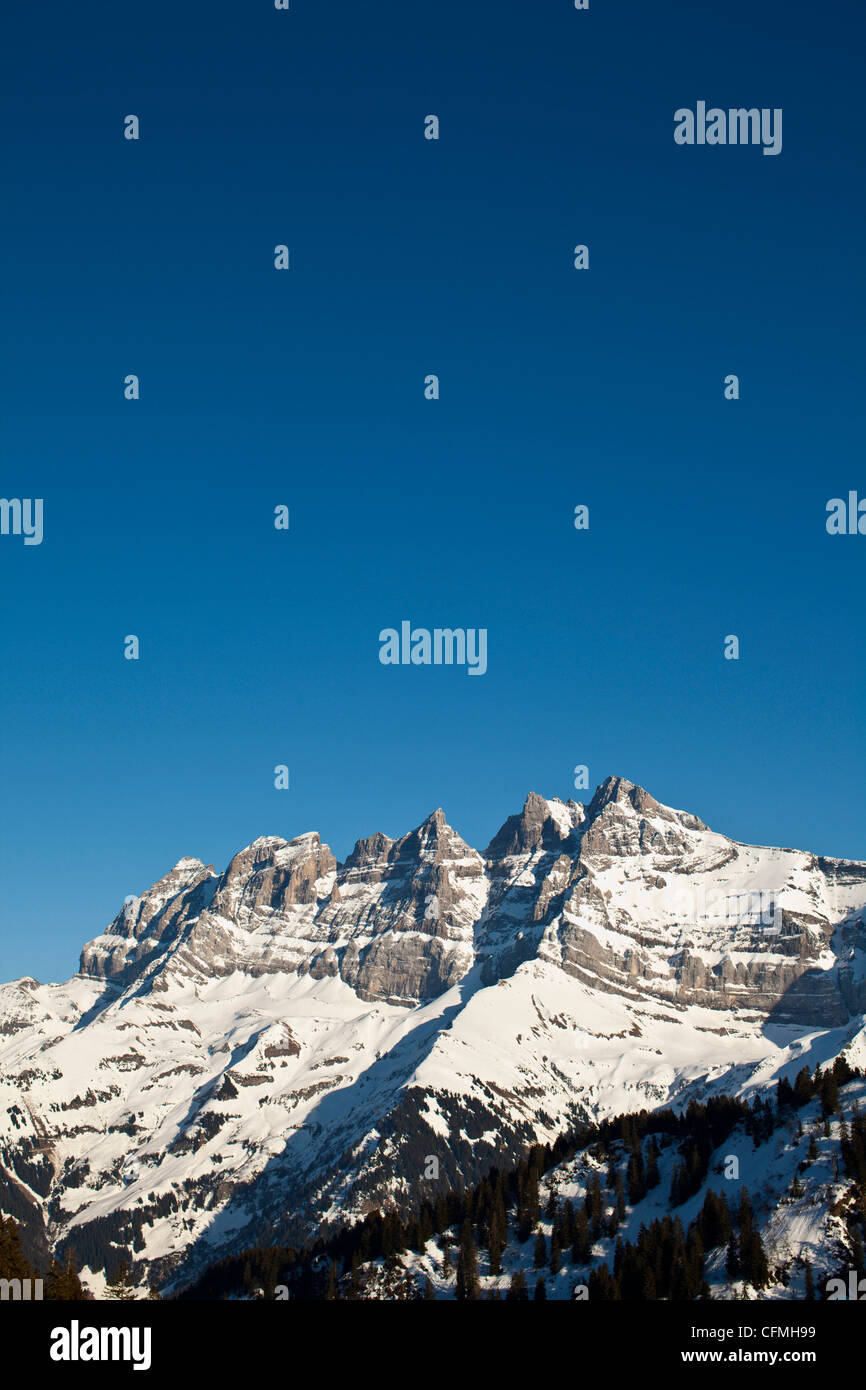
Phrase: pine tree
(62,1282)
(803,1087)
(581,1243)
(518,1290)
(636,1180)
(829,1094)
(354,1290)
(809,1294)
(611,1170)
(755,1267)
(497,1233)
(428,1289)
(653,1176)
(595,1206)
(468,1286)
(540,1251)
(568,1215)
(620,1198)
(714,1221)
(121,1286)
(540,1290)
(13,1264)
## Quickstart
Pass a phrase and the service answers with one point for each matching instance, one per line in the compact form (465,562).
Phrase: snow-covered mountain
(804,1204)
(247,1056)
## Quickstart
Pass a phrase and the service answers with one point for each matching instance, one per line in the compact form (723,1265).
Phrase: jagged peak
(544,822)
(272,851)
(370,849)
(184,872)
(619,791)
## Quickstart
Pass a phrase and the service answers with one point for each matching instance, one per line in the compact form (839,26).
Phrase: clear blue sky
(306,388)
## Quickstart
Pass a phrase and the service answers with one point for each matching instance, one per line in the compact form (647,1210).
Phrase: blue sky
(305,388)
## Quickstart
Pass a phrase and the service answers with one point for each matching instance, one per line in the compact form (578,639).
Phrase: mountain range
(272,1051)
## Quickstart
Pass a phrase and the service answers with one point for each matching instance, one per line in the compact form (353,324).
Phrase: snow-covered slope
(244,1056)
(806,1209)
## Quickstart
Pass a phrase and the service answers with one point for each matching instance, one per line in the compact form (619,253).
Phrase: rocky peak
(623,819)
(273,873)
(432,842)
(369,852)
(147,921)
(541,823)
(628,796)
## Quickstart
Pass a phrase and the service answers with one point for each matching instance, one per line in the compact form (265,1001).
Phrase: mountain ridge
(274,1048)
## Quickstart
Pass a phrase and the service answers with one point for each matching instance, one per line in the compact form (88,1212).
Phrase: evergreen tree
(540,1251)
(809,1294)
(62,1282)
(568,1215)
(497,1233)
(540,1289)
(714,1221)
(611,1169)
(13,1264)
(581,1244)
(620,1198)
(595,1206)
(518,1290)
(468,1286)
(803,1088)
(636,1180)
(754,1259)
(829,1094)
(653,1177)
(354,1290)
(121,1286)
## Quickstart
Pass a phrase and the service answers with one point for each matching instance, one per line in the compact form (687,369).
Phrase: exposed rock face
(626,894)
(540,825)
(149,924)
(271,875)
(402,923)
(658,904)
(276,1044)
